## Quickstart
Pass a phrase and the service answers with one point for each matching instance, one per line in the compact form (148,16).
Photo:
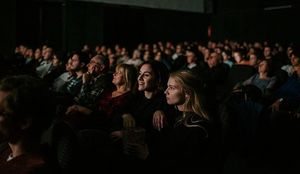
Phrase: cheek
(149,83)
(175,98)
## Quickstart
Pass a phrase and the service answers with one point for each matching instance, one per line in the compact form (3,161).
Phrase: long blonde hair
(129,73)
(191,85)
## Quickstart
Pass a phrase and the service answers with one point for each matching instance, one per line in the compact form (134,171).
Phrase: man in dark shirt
(96,80)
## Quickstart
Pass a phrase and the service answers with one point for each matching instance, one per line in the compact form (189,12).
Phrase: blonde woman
(112,104)
(186,146)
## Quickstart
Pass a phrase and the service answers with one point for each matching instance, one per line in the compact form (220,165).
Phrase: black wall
(68,25)
(247,20)
(8,27)
(128,25)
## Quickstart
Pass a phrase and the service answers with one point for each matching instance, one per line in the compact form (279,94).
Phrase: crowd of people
(221,107)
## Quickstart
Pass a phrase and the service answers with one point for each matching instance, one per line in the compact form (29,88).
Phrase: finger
(155,123)
(161,122)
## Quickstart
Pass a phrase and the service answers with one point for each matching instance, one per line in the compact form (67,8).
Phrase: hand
(128,121)
(86,77)
(78,108)
(275,106)
(116,135)
(158,119)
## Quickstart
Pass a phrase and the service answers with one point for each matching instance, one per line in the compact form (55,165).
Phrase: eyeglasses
(96,63)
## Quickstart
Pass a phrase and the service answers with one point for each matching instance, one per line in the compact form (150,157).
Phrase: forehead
(96,59)
(75,57)
(146,67)
(189,53)
(263,62)
(297,68)
(172,82)
(119,69)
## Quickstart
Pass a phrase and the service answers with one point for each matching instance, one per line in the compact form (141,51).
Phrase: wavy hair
(129,73)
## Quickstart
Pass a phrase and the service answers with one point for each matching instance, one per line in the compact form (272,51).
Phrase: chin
(141,88)
(169,102)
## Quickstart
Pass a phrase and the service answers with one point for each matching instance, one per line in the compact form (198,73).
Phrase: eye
(171,87)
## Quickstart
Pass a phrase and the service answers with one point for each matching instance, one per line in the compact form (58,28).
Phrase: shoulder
(199,123)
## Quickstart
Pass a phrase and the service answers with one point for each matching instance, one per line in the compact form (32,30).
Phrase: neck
(17,149)
(149,94)
(79,73)
(121,88)
(263,75)
(180,107)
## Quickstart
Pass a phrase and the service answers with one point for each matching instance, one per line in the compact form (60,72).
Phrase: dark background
(67,25)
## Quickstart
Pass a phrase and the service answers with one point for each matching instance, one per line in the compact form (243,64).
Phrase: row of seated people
(174,136)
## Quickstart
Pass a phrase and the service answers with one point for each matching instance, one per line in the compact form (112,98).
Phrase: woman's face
(295,60)
(118,77)
(174,93)
(252,60)
(146,78)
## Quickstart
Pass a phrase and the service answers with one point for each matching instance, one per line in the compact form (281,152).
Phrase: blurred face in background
(295,60)
(48,53)
(56,61)
(190,57)
(263,66)
(213,60)
(253,60)
(75,63)
(94,66)
(297,70)
(37,53)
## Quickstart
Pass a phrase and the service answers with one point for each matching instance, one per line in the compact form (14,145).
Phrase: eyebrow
(146,72)
(173,85)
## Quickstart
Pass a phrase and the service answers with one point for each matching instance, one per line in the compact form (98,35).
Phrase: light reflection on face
(174,93)
(146,78)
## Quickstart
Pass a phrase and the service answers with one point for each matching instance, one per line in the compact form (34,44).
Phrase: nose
(140,77)
(166,91)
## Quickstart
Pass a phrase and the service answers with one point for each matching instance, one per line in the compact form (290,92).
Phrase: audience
(100,91)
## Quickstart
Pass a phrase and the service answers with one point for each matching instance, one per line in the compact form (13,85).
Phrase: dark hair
(104,60)
(28,99)
(83,56)
(161,74)
(296,50)
(270,64)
